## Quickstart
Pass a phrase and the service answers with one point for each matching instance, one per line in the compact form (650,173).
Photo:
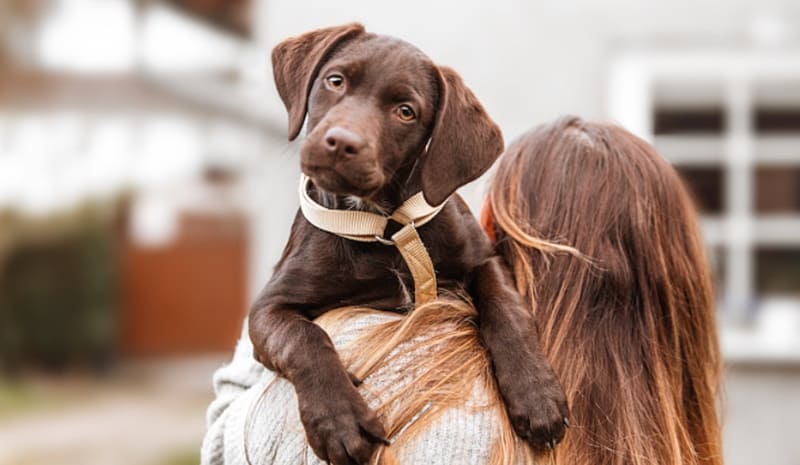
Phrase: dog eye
(406,113)
(335,81)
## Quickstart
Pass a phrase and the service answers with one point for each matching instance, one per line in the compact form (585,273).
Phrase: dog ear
(464,142)
(296,62)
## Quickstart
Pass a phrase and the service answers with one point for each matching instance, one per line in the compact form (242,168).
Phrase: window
(688,120)
(776,107)
(777,189)
(707,186)
(778,271)
(688,107)
(775,119)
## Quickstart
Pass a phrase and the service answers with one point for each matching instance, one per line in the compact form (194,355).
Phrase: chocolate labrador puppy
(384,122)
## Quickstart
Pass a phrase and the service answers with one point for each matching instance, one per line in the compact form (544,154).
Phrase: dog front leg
(533,396)
(340,427)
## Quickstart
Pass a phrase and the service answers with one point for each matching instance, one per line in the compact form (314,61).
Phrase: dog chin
(335,184)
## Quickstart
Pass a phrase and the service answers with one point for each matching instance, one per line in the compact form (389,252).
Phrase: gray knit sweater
(270,427)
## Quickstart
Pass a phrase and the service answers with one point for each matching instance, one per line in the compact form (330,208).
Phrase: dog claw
(566,422)
(378,438)
(354,379)
(382,439)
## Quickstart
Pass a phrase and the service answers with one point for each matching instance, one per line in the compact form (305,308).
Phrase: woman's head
(604,243)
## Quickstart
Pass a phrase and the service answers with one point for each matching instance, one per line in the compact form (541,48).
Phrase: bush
(58,290)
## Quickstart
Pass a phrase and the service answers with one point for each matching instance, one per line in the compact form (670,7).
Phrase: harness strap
(419,262)
(370,227)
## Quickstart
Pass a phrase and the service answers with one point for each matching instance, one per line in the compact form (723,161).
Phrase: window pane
(707,186)
(688,120)
(778,271)
(778,189)
(777,119)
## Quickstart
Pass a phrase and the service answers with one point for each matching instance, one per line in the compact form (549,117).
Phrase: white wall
(530,61)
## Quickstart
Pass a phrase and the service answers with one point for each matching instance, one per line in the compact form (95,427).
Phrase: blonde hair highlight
(454,359)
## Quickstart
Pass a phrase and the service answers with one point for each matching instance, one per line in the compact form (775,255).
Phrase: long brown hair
(628,322)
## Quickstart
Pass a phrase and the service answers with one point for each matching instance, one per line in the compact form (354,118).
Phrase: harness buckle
(383,240)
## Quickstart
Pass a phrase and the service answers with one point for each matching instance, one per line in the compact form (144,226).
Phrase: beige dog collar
(370,227)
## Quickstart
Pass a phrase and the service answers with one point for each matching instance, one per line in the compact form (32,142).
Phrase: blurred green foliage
(58,289)
(16,397)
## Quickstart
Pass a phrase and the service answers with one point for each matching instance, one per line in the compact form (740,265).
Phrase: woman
(604,245)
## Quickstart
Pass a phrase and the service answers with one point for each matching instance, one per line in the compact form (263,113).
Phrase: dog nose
(341,141)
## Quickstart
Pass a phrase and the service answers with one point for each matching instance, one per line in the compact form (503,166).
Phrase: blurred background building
(147,188)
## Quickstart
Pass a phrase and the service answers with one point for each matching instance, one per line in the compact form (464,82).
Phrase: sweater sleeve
(254,418)
(232,382)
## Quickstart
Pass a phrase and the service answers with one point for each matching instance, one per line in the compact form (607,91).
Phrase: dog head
(374,104)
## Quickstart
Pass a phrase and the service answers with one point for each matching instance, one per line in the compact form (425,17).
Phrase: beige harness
(370,227)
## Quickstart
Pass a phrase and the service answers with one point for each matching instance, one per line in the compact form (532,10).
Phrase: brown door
(188,296)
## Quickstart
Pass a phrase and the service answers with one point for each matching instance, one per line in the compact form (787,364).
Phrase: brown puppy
(373,104)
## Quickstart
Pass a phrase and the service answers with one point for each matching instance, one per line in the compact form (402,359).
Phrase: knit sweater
(247,426)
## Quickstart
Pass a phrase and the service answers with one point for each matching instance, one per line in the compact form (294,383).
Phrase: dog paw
(341,428)
(538,413)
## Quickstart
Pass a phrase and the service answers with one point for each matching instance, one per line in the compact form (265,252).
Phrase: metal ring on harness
(383,240)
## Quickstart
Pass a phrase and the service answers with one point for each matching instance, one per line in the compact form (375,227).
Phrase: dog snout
(343,142)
